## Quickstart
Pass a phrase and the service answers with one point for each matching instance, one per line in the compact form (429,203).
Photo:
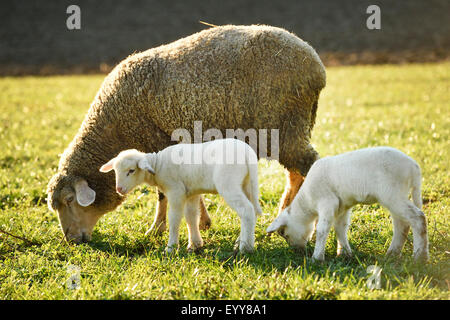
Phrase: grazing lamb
(335,184)
(228,167)
(257,77)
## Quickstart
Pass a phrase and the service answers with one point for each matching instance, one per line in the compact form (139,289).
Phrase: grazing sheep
(228,167)
(258,77)
(335,184)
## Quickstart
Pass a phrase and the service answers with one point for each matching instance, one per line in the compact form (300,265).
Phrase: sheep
(258,77)
(228,167)
(335,184)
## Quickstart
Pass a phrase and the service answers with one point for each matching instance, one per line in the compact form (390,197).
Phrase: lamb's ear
(107,167)
(85,195)
(143,164)
(278,223)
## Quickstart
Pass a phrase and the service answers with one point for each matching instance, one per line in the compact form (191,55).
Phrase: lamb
(335,184)
(258,77)
(226,166)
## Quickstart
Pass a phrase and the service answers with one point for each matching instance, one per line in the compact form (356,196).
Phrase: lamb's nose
(119,189)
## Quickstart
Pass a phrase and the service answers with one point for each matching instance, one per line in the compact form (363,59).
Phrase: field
(403,106)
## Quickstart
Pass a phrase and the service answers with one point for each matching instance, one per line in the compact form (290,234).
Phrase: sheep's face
(71,198)
(128,170)
(291,229)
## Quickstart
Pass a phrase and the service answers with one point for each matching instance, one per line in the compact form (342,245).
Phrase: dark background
(34,38)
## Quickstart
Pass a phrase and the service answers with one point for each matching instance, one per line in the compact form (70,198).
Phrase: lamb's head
(290,227)
(130,167)
(72,198)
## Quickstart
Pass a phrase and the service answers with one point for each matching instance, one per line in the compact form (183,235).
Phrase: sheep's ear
(278,223)
(85,195)
(107,167)
(143,164)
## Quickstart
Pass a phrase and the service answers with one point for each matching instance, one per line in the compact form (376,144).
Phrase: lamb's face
(291,229)
(127,170)
(71,198)
(128,174)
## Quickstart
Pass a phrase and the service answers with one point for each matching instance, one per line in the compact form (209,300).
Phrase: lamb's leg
(239,202)
(159,224)
(192,218)
(205,220)
(406,210)
(326,213)
(401,229)
(341,225)
(293,182)
(176,208)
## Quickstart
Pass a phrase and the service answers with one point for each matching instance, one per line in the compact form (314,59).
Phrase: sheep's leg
(238,201)
(406,210)
(341,225)
(401,229)
(159,224)
(293,182)
(176,207)
(192,218)
(205,220)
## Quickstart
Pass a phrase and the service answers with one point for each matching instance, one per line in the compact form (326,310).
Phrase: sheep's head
(72,198)
(291,229)
(130,167)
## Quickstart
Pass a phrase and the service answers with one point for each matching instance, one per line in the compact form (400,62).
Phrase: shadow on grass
(269,256)
(122,245)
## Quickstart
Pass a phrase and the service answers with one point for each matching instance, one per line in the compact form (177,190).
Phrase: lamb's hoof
(156,229)
(170,250)
(205,225)
(318,260)
(421,256)
(242,247)
(245,250)
(393,253)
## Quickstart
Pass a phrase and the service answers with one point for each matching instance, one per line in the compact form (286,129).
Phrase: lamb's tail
(252,163)
(416,192)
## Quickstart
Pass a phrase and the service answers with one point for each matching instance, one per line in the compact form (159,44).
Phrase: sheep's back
(226,77)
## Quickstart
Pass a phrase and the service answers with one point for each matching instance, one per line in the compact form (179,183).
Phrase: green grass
(406,107)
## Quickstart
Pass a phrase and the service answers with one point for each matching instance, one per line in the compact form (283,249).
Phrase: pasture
(403,106)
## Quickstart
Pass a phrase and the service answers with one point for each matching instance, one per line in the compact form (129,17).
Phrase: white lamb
(185,171)
(335,184)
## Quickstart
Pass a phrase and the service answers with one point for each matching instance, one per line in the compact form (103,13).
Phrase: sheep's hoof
(204,224)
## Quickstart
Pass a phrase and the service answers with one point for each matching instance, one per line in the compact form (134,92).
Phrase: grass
(405,106)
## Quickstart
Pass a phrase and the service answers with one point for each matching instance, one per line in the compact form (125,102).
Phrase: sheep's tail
(416,192)
(252,163)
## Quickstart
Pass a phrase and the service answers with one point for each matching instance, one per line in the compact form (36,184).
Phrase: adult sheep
(258,77)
